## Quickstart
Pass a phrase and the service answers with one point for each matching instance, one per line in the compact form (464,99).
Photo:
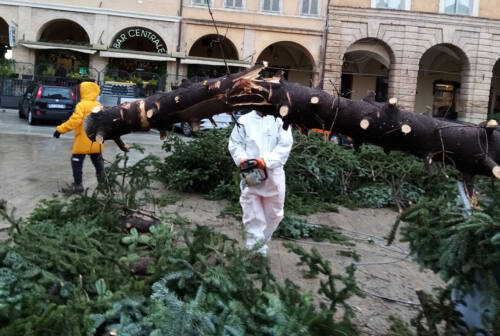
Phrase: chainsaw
(251,173)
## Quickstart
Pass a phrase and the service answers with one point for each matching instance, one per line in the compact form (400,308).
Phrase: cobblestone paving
(34,165)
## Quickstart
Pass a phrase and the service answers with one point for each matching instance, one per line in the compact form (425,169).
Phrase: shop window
(202,2)
(309,7)
(460,7)
(233,4)
(392,4)
(271,6)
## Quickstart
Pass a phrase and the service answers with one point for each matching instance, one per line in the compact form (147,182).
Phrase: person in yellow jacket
(82,145)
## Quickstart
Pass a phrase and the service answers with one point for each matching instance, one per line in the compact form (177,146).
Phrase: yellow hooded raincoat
(88,94)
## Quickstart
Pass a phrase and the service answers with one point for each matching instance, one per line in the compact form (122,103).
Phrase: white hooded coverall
(263,203)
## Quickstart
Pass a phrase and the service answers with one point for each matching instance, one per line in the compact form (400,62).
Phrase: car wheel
(186,129)
(31,120)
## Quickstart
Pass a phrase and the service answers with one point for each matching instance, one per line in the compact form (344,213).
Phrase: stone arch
(293,58)
(366,66)
(210,47)
(4,37)
(443,70)
(494,100)
(60,62)
(62,30)
(140,39)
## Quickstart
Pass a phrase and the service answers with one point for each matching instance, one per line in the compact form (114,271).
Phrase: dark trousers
(77,165)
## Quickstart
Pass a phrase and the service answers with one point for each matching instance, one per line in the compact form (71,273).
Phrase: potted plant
(49,72)
(152,86)
(6,67)
(139,83)
(74,75)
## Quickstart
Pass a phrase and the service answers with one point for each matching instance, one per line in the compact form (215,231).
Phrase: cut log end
(177,99)
(265,64)
(150,113)
(492,124)
(406,129)
(284,111)
(314,100)
(97,109)
(99,138)
(393,101)
(364,124)
(496,172)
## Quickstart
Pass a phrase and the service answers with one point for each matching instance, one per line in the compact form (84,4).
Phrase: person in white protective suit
(264,139)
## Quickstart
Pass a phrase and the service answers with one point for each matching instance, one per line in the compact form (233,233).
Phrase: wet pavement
(34,165)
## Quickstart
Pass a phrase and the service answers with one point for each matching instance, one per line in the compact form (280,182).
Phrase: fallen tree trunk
(472,149)
(190,103)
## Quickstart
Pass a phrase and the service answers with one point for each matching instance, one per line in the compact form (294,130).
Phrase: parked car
(336,138)
(341,139)
(222,120)
(47,102)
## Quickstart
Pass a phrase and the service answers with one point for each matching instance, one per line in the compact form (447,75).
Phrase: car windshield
(56,93)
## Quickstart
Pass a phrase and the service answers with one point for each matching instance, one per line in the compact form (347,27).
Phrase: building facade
(119,41)
(437,57)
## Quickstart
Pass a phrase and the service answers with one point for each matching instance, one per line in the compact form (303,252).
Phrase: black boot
(72,188)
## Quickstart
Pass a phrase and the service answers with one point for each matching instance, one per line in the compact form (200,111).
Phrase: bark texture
(473,149)
(141,224)
(189,103)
